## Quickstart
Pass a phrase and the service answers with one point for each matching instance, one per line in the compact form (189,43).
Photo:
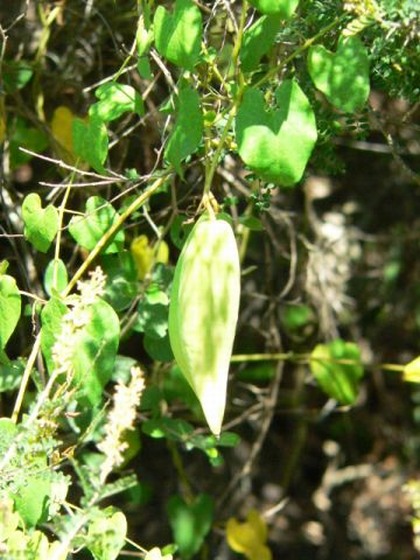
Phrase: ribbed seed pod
(203,312)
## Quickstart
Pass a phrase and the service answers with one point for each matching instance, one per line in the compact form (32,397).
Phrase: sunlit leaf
(88,229)
(276,144)
(10,307)
(56,277)
(41,224)
(188,129)
(90,141)
(115,100)
(337,368)
(283,8)
(258,40)
(178,34)
(106,534)
(342,76)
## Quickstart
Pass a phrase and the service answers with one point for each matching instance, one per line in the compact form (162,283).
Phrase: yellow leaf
(249,537)
(146,255)
(62,132)
(411,371)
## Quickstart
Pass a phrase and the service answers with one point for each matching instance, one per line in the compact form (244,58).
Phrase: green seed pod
(203,313)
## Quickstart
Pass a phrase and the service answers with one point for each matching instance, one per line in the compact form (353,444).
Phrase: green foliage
(276,144)
(178,35)
(115,100)
(90,139)
(342,76)
(56,277)
(190,522)
(106,534)
(188,129)
(41,224)
(338,369)
(282,8)
(258,40)
(159,112)
(88,229)
(10,307)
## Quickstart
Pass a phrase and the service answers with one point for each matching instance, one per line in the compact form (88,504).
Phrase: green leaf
(190,523)
(95,351)
(41,224)
(342,76)
(276,144)
(90,142)
(188,130)
(283,8)
(171,428)
(258,40)
(159,349)
(87,230)
(56,277)
(24,136)
(16,74)
(106,534)
(295,317)
(8,432)
(178,35)
(115,100)
(31,492)
(257,373)
(180,230)
(251,222)
(339,379)
(51,320)
(121,279)
(10,307)
(11,375)
(152,316)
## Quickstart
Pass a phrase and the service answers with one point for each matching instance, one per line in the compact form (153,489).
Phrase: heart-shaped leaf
(188,130)
(90,141)
(190,523)
(178,35)
(51,318)
(32,492)
(41,225)
(106,534)
(97,346)
(10,306)
(115,100)
(87,230)
(337,368)
(258,40)
(56,277)
(343,76)
(276,144)
(283,8)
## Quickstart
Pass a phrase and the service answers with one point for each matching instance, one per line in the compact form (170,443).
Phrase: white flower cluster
(76,318)
(121,418)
